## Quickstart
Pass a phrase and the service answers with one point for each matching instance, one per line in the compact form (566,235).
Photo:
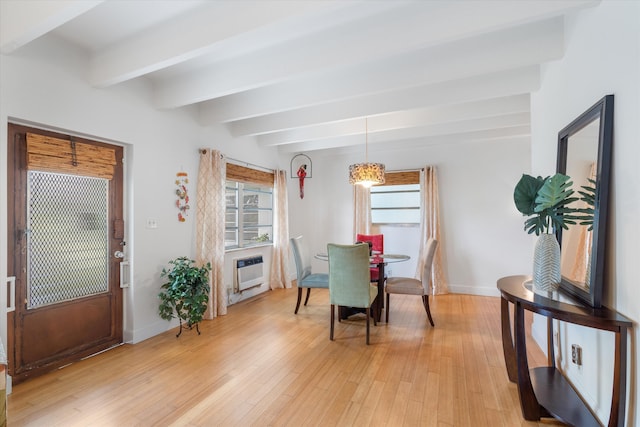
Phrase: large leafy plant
(546,201)
(186,292)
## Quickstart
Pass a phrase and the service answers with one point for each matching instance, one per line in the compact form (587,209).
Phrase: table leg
(507,342)
(619,395)
(551,358)
(528,402)
(345,312)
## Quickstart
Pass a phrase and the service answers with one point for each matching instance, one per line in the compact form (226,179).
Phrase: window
(397,201)
(395,204)
(249,208)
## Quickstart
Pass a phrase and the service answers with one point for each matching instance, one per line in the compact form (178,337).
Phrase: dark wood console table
(544,391)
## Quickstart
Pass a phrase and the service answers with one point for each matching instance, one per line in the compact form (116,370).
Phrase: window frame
(237,178)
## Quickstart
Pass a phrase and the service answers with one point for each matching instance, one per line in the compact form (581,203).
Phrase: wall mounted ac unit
(249,272)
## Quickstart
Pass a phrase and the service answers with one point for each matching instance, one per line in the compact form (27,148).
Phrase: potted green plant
(186,293)
(546,202)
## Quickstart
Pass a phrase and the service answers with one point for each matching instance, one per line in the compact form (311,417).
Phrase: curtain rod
(239,162)
(243,163)
(406,170)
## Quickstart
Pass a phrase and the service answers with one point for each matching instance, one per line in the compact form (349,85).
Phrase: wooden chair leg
(333,309)
(299,298)
(387,309)
(306,300)
(425,302)
(368,315)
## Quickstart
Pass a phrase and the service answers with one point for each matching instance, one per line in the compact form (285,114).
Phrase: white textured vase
(546,264)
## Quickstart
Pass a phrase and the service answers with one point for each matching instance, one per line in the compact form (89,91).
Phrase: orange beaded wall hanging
(183,196)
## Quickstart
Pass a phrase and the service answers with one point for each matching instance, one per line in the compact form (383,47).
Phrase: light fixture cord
(366,140)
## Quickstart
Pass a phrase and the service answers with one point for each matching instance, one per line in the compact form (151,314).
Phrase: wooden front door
(65,226)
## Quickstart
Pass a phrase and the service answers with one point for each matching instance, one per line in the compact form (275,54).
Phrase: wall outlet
(576,354)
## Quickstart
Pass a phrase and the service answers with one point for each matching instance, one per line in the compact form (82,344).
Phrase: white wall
(482,232)
(43,85)
(602,56)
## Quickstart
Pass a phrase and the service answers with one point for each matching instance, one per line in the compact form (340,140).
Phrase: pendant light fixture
(366,174)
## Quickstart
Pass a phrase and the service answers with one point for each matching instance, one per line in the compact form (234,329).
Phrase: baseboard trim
(152,330)
(485,291)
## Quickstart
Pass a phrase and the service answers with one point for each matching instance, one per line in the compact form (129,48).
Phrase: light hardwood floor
(262,365)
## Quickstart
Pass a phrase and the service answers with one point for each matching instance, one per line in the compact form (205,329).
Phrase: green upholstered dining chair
(411,286)
(349,280)
(304,277)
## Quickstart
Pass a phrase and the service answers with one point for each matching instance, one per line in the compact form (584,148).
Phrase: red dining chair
(377,244)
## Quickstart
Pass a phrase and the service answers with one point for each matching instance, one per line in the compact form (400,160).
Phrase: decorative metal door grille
(67,237)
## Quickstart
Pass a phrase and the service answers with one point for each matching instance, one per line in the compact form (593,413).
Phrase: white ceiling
(304,75)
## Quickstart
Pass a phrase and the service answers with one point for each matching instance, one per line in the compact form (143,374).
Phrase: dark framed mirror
(584,153)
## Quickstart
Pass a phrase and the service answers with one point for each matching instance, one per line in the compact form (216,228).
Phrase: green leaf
(535,224)
(554,198)
(589,197)
(526,192)
(555,192)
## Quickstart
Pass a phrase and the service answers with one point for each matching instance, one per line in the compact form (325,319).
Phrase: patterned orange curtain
(210,225)
(430,227)
(361,210)
(280,254)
